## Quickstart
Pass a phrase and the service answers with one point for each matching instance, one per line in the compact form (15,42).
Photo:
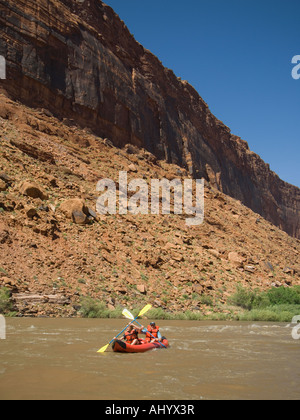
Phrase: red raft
(122,347)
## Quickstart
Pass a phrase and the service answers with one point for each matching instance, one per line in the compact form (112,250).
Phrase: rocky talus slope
(55,249)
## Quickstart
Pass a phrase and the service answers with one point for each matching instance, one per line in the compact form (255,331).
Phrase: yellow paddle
(142,312)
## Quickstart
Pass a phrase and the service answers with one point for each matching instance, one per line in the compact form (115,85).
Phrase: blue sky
(237,54)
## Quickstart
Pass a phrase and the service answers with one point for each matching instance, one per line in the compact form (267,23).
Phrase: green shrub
(253,299)
(159,313)
(93,308)
(266,315)
(275,313)
(279,304)
(5,301)
(243,298)
(206,300)
(284,295)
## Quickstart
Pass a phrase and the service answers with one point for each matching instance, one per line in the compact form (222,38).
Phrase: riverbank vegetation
(276,305)
(92,308)
(6,306)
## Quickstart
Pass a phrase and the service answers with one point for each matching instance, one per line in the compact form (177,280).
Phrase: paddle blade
(145,309)
(103,349)
(127,314)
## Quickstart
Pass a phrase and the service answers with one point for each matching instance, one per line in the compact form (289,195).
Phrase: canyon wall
(78,60)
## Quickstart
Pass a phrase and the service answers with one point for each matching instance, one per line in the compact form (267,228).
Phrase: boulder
(79,217)
(235,258)
(4,234)
(142,289)
(249,268)
(289,270)
(131,149)
(9,283)
(3,185)
(76,210)
(214,252)
(132,168)
(30,212)
(33,190)
(7,179)
(268,266)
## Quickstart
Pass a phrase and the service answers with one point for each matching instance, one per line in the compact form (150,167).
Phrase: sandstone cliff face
(78,59)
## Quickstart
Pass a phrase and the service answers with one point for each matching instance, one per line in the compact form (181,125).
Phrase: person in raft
(152,333)
(131,335)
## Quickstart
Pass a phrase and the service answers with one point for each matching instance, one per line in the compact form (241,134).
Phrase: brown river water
(57,359)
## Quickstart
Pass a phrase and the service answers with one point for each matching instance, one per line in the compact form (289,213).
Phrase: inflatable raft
(122,347)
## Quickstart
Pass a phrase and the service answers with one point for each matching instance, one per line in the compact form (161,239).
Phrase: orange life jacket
(131,336)
(153,331)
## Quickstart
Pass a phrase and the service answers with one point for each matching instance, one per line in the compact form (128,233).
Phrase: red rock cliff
(78,59)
